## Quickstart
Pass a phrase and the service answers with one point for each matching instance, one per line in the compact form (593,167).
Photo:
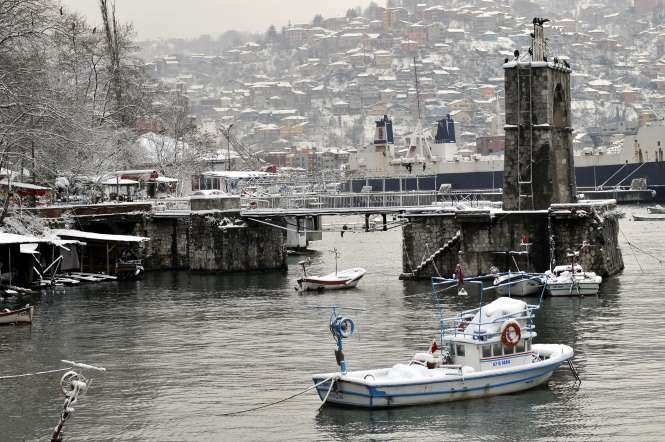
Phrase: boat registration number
(501,363)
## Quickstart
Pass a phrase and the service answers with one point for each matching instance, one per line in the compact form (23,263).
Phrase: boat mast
(415,71)
(336,258)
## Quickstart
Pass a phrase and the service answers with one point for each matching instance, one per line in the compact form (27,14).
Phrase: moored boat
(18,316)
(519,284)
(649,217)
(340,279)
(481,352)
(572,280)
(657,209)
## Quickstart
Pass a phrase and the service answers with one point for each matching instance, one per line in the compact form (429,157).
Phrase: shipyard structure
(541,224)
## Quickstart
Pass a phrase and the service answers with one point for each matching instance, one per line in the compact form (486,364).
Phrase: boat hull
(524,287)
(650,217)
(574,289)
(20,316)
(586,176)
(344,280)
(354,392)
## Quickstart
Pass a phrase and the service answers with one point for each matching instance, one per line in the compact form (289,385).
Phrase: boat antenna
(336,253)
(439,308)
(415,71)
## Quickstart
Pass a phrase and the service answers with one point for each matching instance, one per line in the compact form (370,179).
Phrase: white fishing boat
(18,316)
(519,284)
(649,217)
(340,279)
(481,352)
(572,280)
(657,209)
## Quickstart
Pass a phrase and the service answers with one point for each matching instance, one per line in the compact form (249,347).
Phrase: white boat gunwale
(540,365)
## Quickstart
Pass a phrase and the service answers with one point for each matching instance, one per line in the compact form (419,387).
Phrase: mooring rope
(281,400)
(325,398)
(635,249)
(633,246)
(35,373)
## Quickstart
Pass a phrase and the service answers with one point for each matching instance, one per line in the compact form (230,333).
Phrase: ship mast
(415,71)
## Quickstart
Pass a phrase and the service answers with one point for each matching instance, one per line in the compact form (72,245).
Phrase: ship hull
(607,175)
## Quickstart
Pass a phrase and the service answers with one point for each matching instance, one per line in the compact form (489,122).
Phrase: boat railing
(461,326)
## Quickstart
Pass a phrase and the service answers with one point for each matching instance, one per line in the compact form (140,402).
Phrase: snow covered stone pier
(435,242)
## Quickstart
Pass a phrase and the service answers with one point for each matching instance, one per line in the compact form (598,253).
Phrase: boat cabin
(498,335)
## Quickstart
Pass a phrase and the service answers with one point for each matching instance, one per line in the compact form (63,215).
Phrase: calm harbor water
(182,349)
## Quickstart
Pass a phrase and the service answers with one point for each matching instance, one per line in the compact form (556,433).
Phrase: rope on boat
(232,413)
(35,373)
(325,398)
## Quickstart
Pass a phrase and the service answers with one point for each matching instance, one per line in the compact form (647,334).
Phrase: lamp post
(228,148)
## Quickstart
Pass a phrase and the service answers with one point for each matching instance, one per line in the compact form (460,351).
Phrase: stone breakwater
(433,243)
(215,242)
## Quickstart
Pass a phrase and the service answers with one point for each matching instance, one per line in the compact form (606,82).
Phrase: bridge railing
(359,200)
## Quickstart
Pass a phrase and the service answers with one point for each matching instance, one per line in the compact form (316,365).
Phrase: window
(451,349)
(519,348)
(527,345)
(496,349)
(460,349)
(508,350)
(487,351)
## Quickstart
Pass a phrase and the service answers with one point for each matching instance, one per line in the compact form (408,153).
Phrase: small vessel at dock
(572,280)
(657,209)
(481,352)
(649,217)
(342,279)
(519,284)
(18,316)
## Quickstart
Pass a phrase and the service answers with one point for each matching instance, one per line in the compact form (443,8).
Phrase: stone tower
(538,161)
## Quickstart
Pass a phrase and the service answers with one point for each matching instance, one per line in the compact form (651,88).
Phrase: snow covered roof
(120,182)
(235,174)
(12,238)
(488,314)
(70,233)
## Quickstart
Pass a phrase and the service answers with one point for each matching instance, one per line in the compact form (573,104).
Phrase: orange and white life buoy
(510,333)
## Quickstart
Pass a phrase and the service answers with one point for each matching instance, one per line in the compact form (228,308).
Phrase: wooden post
(367,222)
(385,221)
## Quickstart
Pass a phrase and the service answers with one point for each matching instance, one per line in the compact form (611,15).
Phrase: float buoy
(510,333)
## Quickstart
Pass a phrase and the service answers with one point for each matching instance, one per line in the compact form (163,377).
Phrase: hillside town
(305,95)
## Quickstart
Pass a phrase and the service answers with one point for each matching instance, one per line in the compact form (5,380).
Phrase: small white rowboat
(22,315)
(343,279)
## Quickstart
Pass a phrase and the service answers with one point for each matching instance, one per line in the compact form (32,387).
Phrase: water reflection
(183,348)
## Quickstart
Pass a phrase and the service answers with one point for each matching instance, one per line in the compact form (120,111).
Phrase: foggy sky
(191,18)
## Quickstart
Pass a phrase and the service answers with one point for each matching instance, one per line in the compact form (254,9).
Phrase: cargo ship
(432,158)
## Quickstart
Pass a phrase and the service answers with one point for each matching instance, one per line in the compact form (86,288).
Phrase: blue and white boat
(481,352)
